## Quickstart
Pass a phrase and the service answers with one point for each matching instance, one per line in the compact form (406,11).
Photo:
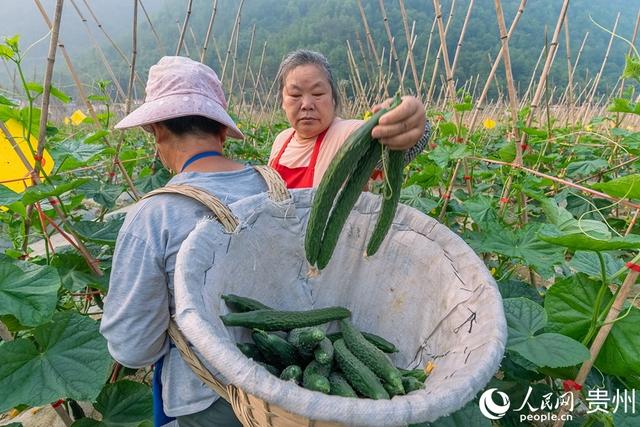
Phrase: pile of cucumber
(294,346)
(341,186)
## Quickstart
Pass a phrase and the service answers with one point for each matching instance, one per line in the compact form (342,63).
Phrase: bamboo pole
(525,97)
(412,39)
(246,68)
(134,53)
(547,68)
(599,74)
(461,38)
(569,90)
(99,50)
(205,45)
(412,62)
(257,80)
(436,66)
(153,29)
(184,28)
(390,38)
(372,46)
(513,101)
(233,30)
(84,98)
(601,337)
(113,44)
(445,53)
(426,56)
(46,93)
(367,66)
(235,55)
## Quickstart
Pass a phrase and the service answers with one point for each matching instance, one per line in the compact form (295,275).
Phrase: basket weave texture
(425,290)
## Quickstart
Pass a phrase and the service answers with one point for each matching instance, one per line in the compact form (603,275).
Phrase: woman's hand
(401,127)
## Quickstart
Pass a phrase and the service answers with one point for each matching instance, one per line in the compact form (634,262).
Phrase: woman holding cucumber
(302,153)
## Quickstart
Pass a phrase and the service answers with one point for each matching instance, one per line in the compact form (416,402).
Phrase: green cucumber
(417,373)
(339,386)
(411,384)
(275,349)
(323,353)
(374,339)
(292,373)
(275,320)
(306,339)
(251,351)
(345,201)
(371,356)
(355,146)
(315,377)
(389,203)
(243,304)
(361,378)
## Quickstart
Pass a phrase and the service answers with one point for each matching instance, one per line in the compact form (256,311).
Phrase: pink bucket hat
(178,87)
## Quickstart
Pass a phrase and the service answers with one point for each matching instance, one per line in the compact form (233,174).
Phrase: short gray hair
(303,57)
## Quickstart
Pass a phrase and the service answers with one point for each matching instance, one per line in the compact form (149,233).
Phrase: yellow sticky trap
(13,173)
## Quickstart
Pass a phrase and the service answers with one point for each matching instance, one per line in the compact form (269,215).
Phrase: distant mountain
(284,25)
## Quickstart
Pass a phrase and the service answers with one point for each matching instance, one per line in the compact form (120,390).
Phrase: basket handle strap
(278,191)
(221,211)
(194,362)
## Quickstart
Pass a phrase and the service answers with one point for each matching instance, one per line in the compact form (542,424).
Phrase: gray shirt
(140,300)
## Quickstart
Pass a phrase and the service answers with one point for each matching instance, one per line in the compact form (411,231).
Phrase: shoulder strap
(221,211)
(277,188)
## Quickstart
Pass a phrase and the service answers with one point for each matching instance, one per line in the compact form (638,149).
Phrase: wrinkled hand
(401,127)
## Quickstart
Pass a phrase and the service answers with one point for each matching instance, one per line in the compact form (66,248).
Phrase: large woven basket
(425,290)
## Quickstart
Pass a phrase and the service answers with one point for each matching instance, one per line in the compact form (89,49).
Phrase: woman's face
(307,100)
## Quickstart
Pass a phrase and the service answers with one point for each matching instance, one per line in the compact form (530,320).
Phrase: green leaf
(481,209)
(99,232)
(44,191)
(63,97)
(552,350)
(78,150)
(414,196)
(565,222)
(67,358)
(514,289)
(95,136)
(584,242)
(8,196)
(28,291)
(621,105)
(627,187)
(4,100)
(125,403)
(12,42)
(6,52)
(429,175)
(446,129)
(587,262)
(75,273)
(34,87)
(102,193)
(521,244)
(153,181)
(586,167)
(443,154)
(88,422)
(524,319)
(619,354)
(631,68)
(570,303)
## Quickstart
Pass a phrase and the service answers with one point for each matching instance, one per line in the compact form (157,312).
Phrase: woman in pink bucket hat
(185,110)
